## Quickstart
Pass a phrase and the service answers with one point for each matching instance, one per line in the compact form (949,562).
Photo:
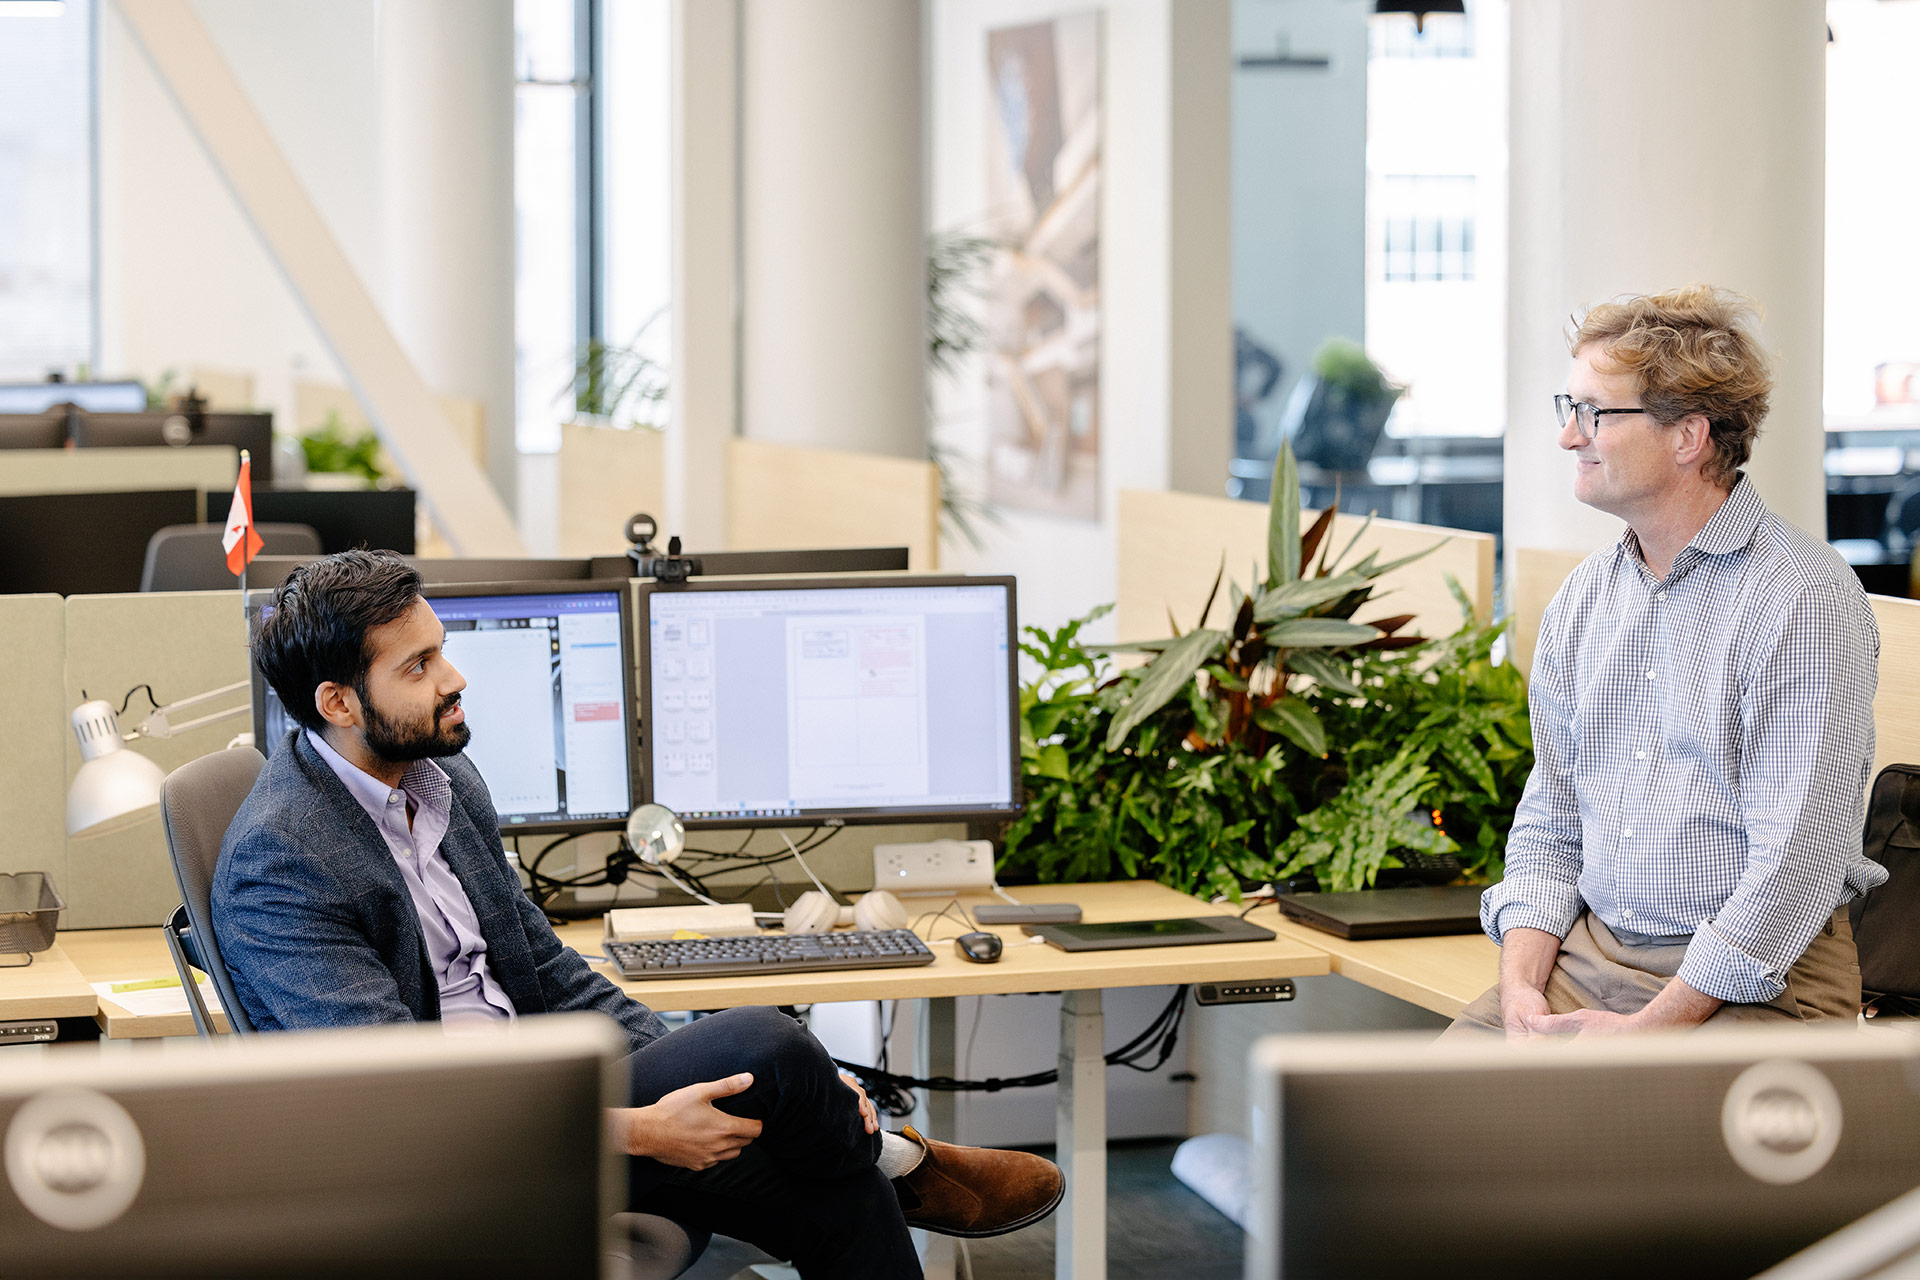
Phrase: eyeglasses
(1585,417)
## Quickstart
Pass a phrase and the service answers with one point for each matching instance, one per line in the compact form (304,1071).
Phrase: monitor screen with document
(549,698)
(824,700)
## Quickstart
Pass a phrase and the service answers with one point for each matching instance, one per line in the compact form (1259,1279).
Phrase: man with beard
(363,881)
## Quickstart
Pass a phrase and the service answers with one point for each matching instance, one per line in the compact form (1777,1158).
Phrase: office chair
(197,804)
(188,557)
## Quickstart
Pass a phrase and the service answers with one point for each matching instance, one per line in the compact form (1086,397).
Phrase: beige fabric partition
(1171,546)
(182,643)
(781,497)
(1537,573)
(117,470)
(607,475)
(1896,707)
(33,725)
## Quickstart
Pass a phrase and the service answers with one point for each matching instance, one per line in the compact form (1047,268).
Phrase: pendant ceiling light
(1419,9)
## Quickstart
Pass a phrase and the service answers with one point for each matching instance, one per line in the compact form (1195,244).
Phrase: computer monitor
(32,431)
(84,543)
(830,700)
(1702,1155)
(89,397)
(382,1152)
(549,699)
(345,519)
(250,431)
(270,571)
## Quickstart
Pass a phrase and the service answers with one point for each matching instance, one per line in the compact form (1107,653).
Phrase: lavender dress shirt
(455,948)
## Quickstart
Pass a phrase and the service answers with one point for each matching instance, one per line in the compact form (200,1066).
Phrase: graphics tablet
(1119,935)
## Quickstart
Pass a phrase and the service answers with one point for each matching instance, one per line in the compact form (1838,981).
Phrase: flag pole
(246,468)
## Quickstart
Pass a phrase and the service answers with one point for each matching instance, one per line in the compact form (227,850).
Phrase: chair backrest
(197,804)
(188,557)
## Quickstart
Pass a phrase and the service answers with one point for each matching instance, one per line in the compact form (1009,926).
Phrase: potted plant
(1304,736)
(1336,414)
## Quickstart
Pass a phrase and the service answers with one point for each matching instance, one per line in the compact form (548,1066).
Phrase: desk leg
(1081,1127)
(935,1046)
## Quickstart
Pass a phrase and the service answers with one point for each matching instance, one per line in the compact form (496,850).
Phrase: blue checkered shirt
(1702,745)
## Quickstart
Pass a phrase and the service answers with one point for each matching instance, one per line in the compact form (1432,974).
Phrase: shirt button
(1649,675)
(1639,755)
(1628,833)
(1659,595)
(393,797)
(406,853)
(1628,913)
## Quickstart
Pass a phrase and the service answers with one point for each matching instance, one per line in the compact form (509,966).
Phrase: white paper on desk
(153,1002)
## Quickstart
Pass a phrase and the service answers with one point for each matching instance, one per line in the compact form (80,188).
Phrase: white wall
(1067,566)
(184,281)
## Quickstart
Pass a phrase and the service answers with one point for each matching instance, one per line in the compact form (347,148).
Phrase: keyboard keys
(768,953)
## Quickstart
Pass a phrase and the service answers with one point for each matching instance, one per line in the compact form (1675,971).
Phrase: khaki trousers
(1599,970)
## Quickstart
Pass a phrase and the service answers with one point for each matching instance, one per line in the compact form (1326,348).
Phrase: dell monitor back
(830,700)
(1712,1154)
(549,698)
(383,1152)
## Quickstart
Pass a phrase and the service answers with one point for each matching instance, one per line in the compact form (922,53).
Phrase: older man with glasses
(1702,714)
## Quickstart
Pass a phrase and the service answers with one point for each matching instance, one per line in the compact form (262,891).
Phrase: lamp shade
(113,785)
(1419,9)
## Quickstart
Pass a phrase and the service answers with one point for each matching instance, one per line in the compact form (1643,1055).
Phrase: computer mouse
(981,948)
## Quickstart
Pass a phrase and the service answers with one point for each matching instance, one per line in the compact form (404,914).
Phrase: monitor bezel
(645,591)
(620,588)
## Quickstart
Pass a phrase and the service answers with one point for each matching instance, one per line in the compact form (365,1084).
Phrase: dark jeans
(807,1188)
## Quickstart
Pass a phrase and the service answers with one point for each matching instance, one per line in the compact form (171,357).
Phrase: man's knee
(768,1037)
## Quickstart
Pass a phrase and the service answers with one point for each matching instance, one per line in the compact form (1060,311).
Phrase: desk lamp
(114,786)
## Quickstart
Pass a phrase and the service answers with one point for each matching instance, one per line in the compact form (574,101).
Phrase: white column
(1199,246)
(1657,144)
(833,225)
(447,202)
(703,385)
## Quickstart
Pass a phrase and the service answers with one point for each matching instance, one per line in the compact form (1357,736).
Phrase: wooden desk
(1081,1109)
(128,955)
(51,987)
(1442,974)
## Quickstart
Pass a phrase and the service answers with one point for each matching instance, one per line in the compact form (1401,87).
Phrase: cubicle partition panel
(1172,544)
(1896,706)
(782,497)
(33,724)
(607,475)
(1534,576)
(180,644)
(117,470)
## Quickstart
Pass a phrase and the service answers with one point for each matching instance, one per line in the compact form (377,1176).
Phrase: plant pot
(1333,429)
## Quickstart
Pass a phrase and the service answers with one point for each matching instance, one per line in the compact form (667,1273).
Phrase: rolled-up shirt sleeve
(1807,712)
(1542,885)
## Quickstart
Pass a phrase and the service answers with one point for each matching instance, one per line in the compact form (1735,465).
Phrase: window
(546,207)
(1428,227)
(46,190)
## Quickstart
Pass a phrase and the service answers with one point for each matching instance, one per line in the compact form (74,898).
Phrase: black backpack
(1886,921)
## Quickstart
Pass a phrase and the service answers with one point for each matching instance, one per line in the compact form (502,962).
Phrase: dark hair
(317,631)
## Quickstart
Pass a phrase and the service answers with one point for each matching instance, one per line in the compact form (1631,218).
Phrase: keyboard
(767,953)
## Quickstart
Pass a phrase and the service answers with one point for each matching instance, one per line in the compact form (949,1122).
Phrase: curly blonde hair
(1695,350)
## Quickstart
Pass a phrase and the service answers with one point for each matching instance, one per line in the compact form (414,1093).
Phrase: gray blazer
(318,930)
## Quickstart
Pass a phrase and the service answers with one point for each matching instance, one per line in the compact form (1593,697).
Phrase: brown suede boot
(977,1191)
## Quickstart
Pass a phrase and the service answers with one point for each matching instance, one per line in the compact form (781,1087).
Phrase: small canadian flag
(241,542)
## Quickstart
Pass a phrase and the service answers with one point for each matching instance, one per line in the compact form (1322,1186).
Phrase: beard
(400,742)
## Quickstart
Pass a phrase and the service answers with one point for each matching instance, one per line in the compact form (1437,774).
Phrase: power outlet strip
(934,866)
(643,924)
(1244,992)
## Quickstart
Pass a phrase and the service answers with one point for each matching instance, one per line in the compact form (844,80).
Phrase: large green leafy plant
(1295,738)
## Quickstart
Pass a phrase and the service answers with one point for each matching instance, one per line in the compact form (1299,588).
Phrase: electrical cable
(1157,1042)
(129,698)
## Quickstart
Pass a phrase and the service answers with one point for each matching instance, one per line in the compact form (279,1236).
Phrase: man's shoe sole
(965,1234)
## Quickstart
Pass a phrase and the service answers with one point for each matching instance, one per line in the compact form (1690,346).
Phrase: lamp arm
(157,725)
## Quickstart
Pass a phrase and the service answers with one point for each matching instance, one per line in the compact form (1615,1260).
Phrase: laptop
(1418,912)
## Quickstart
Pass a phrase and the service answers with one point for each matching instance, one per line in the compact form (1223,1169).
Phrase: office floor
(1155,1228)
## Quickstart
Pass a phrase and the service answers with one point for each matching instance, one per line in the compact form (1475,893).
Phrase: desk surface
(51,987)
(1024,967)
(1441,974)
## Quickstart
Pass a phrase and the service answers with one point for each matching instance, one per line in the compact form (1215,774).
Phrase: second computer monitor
(549,699)
(830,700)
